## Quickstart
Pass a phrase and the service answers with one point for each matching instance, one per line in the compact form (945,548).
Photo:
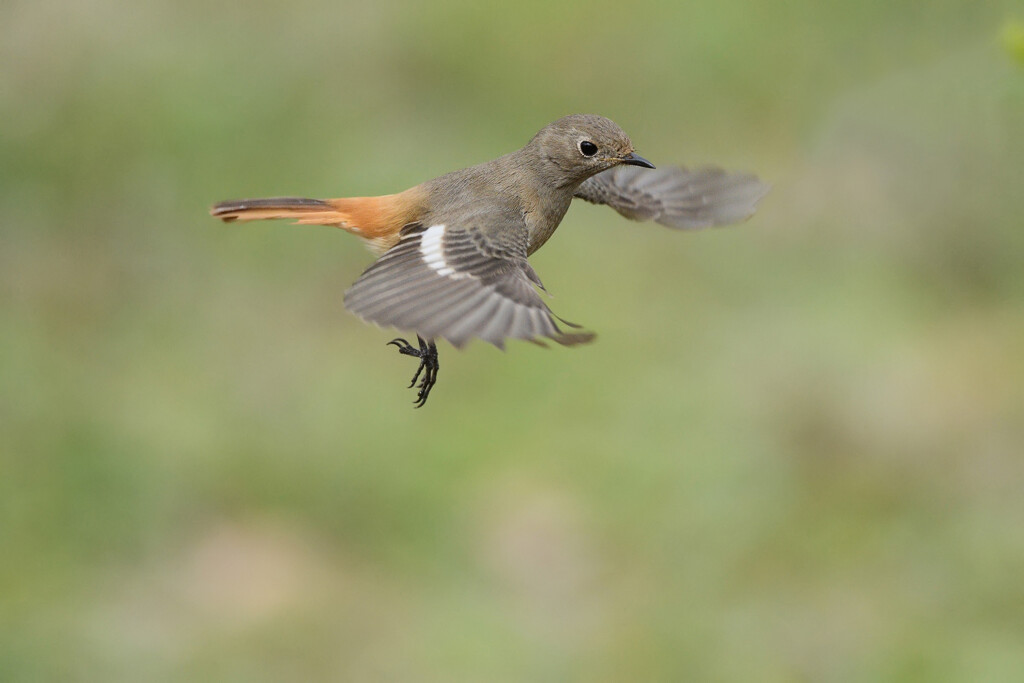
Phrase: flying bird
(453,250)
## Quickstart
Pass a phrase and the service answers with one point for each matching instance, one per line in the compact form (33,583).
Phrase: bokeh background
(795,452)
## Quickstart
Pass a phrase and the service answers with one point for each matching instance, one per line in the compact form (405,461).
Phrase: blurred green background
(795,452)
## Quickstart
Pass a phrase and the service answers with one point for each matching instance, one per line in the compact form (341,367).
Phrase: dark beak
(634,159)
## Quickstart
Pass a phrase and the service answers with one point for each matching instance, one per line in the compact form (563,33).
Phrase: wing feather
(676,197)
(458,282)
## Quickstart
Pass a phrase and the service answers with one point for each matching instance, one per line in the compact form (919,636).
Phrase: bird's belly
(542,225)
(539,237)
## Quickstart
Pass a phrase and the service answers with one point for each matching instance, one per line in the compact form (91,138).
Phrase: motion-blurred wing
(676,197)
(456,282)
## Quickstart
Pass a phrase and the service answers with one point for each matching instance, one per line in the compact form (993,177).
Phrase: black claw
(405,347)
(427,353)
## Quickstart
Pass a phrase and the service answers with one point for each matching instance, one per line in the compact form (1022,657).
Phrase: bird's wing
(458,282)
(676,197)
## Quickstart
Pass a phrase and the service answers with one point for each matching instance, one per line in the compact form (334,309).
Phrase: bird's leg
(427,353)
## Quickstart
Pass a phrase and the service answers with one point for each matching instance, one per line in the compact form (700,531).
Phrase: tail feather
(378,220)
(304,210)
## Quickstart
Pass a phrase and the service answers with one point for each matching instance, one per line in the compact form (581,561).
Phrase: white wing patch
(432,249)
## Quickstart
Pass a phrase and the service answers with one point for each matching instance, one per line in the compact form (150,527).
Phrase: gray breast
(544,217)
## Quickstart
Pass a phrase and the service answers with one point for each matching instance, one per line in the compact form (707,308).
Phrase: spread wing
(676,197)
(459,282)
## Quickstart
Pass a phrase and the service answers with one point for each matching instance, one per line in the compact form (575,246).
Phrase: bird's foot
(427,353)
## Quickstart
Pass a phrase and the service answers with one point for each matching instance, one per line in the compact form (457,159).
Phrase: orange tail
(378,220)
(305,211)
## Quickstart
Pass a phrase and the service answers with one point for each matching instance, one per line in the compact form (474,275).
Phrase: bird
(453,251)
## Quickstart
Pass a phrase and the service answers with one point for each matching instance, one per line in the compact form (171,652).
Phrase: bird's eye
(588,148)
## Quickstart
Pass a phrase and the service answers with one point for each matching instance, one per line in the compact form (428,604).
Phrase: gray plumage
(676,197)
(489,292)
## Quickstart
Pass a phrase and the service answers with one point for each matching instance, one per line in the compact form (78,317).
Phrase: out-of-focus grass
(794,452)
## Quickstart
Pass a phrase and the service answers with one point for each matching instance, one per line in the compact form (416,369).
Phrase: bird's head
(580,145)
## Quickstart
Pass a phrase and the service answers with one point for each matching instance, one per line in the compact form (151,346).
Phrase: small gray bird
(453,250)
